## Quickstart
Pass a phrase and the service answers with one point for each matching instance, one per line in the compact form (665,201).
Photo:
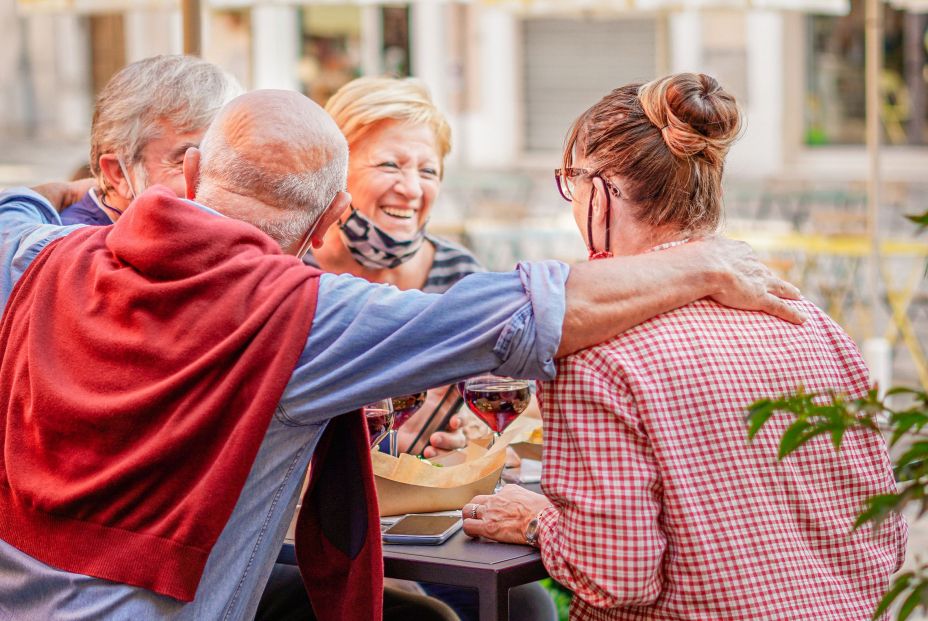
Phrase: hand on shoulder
(744,282)
(64,193)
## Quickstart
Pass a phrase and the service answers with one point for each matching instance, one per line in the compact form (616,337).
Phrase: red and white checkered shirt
(663,510)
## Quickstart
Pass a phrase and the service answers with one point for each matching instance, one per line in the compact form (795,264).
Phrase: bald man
(158,422)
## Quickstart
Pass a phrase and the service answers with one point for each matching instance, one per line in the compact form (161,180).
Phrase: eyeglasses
(564,178)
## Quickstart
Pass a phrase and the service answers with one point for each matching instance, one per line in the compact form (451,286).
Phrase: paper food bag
(409,485)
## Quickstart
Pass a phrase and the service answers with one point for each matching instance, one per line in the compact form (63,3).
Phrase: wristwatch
(531,532)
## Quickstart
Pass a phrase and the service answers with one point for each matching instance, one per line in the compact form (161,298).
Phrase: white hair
(184,92)
(298,198)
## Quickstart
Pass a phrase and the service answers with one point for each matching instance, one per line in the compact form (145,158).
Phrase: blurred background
(818,186)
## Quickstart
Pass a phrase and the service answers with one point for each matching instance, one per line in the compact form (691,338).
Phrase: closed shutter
(569,64)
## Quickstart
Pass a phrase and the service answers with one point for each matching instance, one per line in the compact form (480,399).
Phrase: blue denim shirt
(367,342)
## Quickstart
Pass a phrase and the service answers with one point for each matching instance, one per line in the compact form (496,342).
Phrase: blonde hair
(668,140)
(360,105)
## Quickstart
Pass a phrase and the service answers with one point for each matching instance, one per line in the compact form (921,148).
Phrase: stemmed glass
(496,400)
(379,416)
(407,405)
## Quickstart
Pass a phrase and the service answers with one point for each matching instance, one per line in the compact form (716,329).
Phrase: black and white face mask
(372,247)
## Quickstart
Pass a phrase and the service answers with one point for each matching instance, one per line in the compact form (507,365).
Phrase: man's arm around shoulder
(28,222)
(609,296)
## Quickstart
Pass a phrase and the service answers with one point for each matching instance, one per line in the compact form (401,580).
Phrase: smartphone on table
(422,529)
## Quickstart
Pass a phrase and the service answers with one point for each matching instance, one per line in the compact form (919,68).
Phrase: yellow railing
(842,295)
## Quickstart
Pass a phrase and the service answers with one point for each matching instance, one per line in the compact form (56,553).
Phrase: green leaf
(868,423)
(920,219)
(905,422)
(911,471)
(902,390)
(793,438)
(913,600)
(758,415)
(837,433)
(877,508)
(899,585)
(917,452)
(798,434)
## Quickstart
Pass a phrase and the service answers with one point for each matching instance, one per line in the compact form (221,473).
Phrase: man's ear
(191,172)
(330,216)
(112,172)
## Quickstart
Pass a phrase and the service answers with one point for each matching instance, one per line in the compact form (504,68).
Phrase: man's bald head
(278,151)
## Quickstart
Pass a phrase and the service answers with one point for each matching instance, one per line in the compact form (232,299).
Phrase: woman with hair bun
(656,505)
(652,157)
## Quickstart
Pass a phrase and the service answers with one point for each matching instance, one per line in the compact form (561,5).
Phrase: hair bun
(693,113)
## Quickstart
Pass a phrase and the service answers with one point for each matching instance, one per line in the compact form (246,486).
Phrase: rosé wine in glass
(407,405)
(496,400)
(379,416)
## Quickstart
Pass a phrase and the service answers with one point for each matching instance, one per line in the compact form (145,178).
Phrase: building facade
(511,80)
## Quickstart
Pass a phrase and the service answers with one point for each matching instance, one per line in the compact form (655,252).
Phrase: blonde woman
(398,141)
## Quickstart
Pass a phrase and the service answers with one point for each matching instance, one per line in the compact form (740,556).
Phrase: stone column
(275,47)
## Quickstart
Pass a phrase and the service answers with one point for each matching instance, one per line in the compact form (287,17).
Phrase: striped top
(451,263)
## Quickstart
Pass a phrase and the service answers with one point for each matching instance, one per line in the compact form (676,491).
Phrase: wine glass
(407,405)
(496,400)
(379,416)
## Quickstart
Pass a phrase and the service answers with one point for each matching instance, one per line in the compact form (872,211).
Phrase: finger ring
(473,512)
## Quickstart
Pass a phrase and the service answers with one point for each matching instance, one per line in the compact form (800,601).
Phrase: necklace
(671,244)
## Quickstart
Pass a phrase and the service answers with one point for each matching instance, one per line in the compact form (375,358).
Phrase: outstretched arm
(609,296)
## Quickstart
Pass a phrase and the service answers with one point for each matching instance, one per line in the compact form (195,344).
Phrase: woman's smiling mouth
(399,212)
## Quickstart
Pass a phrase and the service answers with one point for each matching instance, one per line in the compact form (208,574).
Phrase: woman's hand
(503,516)
(445,441)
(746,283)
(61,194)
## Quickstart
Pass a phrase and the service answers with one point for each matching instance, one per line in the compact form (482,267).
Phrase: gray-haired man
(146,118)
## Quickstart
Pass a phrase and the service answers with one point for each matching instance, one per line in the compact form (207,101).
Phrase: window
(331,41)
(571,63)
(332,46)
(107,48)
(835,111)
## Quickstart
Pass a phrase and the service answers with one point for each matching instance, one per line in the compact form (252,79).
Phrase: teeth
(398,212)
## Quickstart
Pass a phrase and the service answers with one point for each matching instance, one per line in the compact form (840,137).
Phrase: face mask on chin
(374,248)
(132,193)
(125,173)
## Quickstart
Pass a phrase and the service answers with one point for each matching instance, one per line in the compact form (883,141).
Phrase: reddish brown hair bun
(668,140)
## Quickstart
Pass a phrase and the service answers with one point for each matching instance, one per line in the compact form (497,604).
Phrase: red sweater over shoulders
(141,365)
